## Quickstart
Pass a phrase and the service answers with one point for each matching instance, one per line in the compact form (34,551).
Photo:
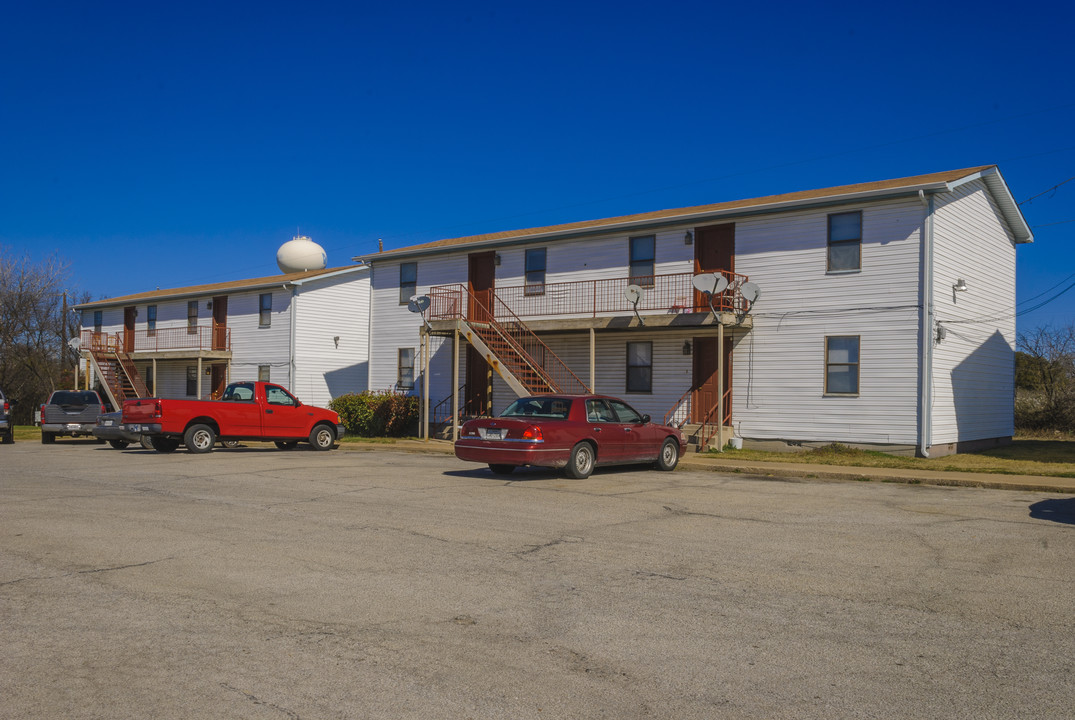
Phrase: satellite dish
(710,283)
(418,303)
(750,291)
(633,293)
(74,343)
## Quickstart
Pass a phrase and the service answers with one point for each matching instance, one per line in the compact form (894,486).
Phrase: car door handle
(597,429)
(268,412)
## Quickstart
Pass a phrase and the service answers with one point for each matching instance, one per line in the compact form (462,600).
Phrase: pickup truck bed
(246,411)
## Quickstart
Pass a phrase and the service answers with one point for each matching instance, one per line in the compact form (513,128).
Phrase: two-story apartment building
(879,314)
(307,331)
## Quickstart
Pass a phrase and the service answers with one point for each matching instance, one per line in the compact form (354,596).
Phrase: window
(263,373)
(98,320)
(535,272)
(192,380)
(151,320)
(148,375)
(192,318)
(408,282)
(642,255)
(597,411)
(845,241)
(640,367)
(842,365)
(276,395)
(625,412)
(265,310)
(405,374)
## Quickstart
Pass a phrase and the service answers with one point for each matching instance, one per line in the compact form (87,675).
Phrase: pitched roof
(933,182)
(296,278)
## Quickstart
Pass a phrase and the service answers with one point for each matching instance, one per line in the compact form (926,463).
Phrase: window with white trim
(845,241)
(842,365)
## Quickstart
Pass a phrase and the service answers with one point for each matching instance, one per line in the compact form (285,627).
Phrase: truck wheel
(581,462)
(322,437)
(230,443)
(146,442)
(9,437)
(164,444)
(199,438)
(47,437)
(118,444)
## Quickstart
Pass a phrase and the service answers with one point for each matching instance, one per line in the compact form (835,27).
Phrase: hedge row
(377,414)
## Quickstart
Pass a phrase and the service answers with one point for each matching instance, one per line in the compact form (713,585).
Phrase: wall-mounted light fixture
(960,286)
(496,259)
(686,347)
(336,340)
(688,238)
(209,305)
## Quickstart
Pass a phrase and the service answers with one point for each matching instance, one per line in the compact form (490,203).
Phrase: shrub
(377,414)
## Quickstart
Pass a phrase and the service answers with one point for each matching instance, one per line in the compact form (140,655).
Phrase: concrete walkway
(715,463)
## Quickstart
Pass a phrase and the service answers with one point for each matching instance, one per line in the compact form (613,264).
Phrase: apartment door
(220,323)
(478,379)
(129,314)
(714,250)
(706,381)
(480,281)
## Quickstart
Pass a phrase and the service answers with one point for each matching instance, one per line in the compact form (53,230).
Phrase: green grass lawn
(1025,456)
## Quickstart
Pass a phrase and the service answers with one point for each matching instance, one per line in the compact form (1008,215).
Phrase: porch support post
(593,361)
(199,395)
(425,383)
(153,390)
(455,385)
(720,386)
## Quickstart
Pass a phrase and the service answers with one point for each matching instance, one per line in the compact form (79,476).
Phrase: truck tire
(164,444)
(322,437)
(199,439)
(9,437)
(146,442)
(118,444)
(47,437)
(286,444)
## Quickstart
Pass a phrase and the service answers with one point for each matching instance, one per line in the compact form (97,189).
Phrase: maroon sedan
(574,432)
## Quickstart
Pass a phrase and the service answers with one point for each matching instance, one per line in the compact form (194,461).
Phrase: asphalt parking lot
(256,583)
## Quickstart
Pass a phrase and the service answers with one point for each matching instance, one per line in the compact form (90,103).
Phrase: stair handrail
(675,408)
(133,376)
(705,422)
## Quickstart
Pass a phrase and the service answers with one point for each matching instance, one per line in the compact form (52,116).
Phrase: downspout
(925,361)
(291,344)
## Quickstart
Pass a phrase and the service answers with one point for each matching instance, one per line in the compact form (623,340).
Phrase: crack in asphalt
(258,701)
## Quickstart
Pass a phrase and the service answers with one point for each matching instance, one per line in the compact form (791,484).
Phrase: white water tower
(300,254)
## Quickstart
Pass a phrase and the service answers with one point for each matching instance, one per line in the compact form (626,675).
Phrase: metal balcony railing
(590,298)
(161,339)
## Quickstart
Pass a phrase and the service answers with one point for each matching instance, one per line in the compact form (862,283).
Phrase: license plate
(134,428)
(107,423)
(493,434)
(74,426)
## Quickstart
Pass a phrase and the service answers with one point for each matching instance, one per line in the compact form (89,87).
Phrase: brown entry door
(477,398)
(714,250)
(129,314)
(218,377)
(220,324)
(706,381)
(480,280)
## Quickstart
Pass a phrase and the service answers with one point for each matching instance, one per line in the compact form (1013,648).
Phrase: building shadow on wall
(1059,510)
(974,391)
(350,379)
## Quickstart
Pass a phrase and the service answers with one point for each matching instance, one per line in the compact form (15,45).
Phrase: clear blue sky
(165,145)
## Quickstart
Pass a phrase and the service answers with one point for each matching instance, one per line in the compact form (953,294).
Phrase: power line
(1054,187)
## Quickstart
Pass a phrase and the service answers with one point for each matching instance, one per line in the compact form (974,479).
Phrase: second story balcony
(172,341)
(662,295)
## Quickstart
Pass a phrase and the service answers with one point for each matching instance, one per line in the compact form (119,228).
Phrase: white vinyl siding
(974,365)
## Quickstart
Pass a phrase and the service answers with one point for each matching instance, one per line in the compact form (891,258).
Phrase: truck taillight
(157,409)
(103,409)
(533,433)
(7,407)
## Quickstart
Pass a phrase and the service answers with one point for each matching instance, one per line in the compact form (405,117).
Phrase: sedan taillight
(533,433)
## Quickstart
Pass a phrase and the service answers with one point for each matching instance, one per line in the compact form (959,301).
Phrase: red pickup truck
(246,411)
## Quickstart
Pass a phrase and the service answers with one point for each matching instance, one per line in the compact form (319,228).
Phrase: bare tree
(33,329)
(1046,376)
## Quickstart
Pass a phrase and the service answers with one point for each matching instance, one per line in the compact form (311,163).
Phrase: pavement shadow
(520,473)
(1059,510)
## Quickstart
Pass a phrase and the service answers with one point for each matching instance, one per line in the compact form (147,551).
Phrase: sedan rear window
(539,407)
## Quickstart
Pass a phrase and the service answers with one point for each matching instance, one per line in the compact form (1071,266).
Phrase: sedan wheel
(669,457)
(581,462)
(199,438)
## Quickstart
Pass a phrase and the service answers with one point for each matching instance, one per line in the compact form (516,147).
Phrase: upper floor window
(643,253)
(98,320)
(408,282)
(640,367)
(151,320)
(535,271)
(845,241)
(265,310)
(842,365)
(192,318)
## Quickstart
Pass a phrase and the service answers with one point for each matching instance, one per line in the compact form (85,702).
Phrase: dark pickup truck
(7,422)
(70,412)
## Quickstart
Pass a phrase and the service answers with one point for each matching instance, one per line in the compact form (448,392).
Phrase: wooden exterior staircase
(119,376)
